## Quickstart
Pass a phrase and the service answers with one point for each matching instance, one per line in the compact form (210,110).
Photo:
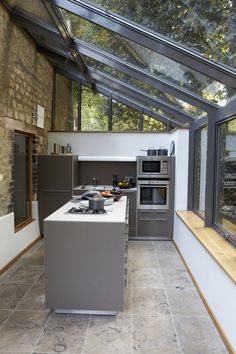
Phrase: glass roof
(148,60)
(208,27)
(147,89)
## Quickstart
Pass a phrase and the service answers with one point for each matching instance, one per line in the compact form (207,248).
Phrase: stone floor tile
(25,274)
(108,335)
(141,261)
(34,300)
(63,333)
(35,259)
(22,330)
(146,278)
(127,301)
(154,335)
(177,279)
(150,302)
(198,335)
(170,261)
(185,303)
(41,279)
(141,247)
(166,247)
(4,314)
(11,294)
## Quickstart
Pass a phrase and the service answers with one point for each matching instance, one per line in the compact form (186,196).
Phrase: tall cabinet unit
(57,176)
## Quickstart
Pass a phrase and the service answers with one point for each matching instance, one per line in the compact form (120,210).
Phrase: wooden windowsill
(23,224)
(220,249)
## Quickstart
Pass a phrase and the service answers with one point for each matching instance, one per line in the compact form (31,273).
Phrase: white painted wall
(216,286)
(109,144)
(181,139)
(11,243)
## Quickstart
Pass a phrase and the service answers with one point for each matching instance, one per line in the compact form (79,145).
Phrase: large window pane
(94,110)
(152,125)
(22,176)
(124,118)
(207,27)
(200,170)
(66,104)
(226,181)
(148,60)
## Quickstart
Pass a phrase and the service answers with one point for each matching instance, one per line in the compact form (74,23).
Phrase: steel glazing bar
(51,34)
(119,85)
(152,40)
(74,75)
(56,16)
(139,95)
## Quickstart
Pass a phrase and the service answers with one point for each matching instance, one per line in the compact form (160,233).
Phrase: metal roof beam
(57,18)
(152,40)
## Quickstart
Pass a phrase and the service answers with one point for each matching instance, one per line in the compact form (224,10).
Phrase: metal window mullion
(191,166)
(210,171)
(79,104)
(141,119)
(110,113)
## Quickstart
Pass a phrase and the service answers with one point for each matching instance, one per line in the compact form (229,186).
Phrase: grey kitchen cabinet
(154,224)
(132,197)
(85,261)
(57,176)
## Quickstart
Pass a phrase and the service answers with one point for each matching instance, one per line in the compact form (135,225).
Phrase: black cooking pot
(162,152)
(151,151)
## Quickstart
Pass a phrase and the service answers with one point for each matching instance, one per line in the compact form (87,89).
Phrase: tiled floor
(163,313)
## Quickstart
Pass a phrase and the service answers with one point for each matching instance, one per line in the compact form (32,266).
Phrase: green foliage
(151,124)
(124,118)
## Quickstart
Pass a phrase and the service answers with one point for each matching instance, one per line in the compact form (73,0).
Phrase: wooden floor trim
(15,259)
(221,250)
(208,308)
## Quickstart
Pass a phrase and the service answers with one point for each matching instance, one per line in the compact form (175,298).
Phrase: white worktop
(116,212)
(101,188)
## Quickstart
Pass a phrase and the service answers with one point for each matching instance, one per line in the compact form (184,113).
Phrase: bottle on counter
(68,149)
(114,180)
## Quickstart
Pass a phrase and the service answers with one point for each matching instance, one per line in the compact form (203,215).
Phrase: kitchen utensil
(96,203)
(172,148)
(162,151)
(150,151)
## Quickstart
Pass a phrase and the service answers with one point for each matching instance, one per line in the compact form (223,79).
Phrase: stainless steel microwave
(152,167)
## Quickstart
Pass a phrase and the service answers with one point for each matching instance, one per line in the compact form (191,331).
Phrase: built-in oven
(152,167)
(152,194)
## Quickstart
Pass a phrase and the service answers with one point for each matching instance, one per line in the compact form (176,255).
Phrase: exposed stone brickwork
(26,80)
(63,102)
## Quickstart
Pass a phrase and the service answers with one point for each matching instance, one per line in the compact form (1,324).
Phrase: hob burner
(86,211)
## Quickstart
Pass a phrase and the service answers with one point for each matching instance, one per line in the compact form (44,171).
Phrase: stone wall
(26,80)
(62,103)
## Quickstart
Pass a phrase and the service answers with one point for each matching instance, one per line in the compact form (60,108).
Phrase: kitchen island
(85,259)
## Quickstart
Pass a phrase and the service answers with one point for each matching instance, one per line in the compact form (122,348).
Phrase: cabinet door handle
(153,219)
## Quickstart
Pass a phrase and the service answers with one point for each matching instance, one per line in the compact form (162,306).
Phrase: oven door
(153,194)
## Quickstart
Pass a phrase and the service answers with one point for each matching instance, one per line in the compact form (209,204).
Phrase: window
(94,110)
(200,170)
(22,179)
(66,104)
(225,213)
(124,118)
(152,124)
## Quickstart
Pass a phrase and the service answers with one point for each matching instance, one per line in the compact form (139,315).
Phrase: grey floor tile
(63,333)
(110,334)
(198,335)
(41,279)
(141,261)
(34,300)
(127,301)
(22,330)
(154,335)
(186,303)
(150,302)
(146,278)
(11,294)
(166,247)
(170,261)
(141,247)
(35,259)
(177,279)
(4,314)
(25,274)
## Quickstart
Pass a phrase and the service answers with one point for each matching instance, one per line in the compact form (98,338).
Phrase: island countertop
(116,212)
